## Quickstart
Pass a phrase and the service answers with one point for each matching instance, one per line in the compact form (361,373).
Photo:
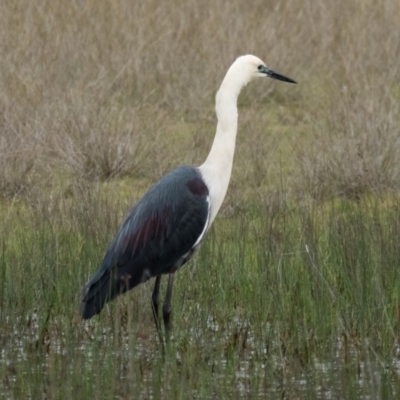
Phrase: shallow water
(249,369)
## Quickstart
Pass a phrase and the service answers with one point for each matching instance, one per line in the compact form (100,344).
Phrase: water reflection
(242,361)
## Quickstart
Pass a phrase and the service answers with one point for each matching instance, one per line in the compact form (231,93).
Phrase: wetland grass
(303,303)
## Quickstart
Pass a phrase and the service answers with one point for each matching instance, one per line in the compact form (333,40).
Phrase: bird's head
(250,67)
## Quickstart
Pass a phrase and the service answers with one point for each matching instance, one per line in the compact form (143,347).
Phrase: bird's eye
(260,67)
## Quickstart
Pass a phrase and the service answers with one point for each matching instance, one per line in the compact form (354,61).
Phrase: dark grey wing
(157,235)
(163,226)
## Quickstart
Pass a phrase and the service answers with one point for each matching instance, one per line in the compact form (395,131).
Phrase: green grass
(287,301)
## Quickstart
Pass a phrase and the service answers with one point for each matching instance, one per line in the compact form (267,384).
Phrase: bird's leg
(154,300)
(167,306)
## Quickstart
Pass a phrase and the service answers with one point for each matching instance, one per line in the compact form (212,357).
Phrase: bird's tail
(98,291)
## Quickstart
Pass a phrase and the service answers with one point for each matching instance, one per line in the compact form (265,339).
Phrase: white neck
(217,168)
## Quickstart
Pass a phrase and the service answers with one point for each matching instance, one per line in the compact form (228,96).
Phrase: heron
(167,225)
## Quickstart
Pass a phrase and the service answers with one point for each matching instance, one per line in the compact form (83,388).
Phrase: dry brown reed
(105,89)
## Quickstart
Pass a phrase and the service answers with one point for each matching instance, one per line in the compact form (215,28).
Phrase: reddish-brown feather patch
(152,229)
(198,187)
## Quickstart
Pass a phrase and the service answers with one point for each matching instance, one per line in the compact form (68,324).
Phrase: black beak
(279,77)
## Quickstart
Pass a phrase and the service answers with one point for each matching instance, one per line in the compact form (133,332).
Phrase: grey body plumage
(156,238)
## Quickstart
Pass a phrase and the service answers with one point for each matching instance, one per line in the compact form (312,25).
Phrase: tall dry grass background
(98,99)
(120,88)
